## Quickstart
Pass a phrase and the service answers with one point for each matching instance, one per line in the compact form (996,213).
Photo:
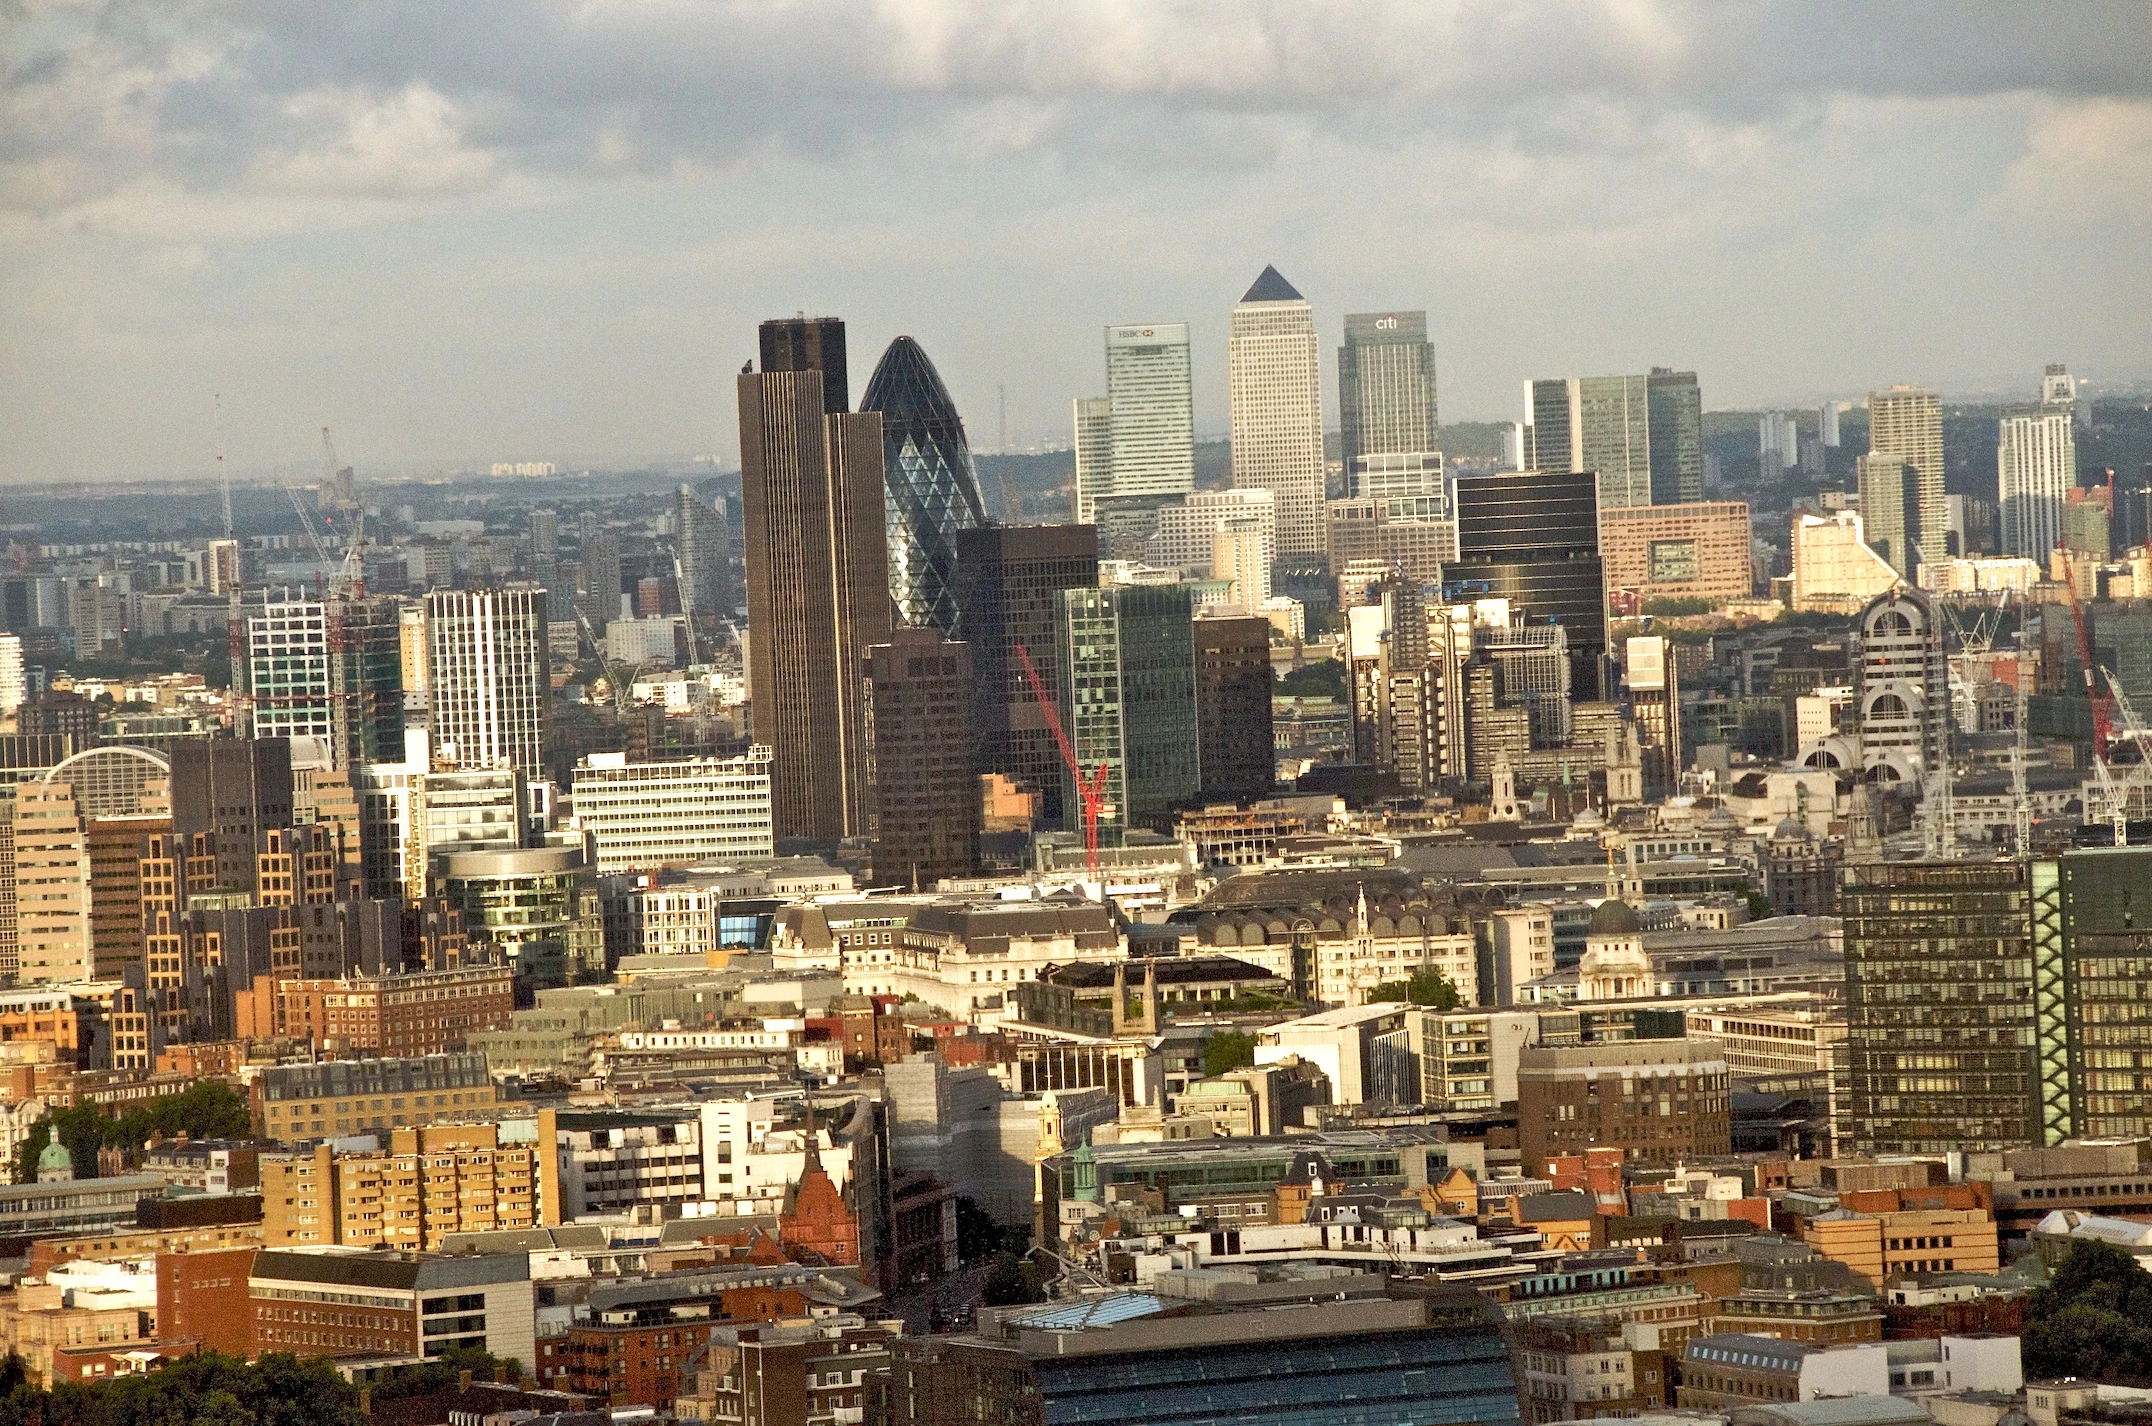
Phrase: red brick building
(422,1013)
(622,1366)
(202,1297)
(820,1226)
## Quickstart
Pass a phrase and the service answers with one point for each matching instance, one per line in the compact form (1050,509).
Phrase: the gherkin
(932,492)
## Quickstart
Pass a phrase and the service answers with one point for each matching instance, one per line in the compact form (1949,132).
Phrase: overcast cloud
(485,230)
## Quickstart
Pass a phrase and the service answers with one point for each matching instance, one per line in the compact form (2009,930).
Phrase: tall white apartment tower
(2036,467)
(1141,438)
(1275,386)
(1907,422)
(487,657)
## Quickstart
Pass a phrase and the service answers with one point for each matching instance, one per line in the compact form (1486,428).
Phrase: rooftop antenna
(1004,446)
(224,473)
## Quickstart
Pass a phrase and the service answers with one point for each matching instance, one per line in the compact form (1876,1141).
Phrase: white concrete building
(488,660)
(2036,468)
(1834,570)
(675,813)
(1185,530)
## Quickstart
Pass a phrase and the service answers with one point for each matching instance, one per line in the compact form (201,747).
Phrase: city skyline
(278,214)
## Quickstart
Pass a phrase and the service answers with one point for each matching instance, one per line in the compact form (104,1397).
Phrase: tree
(1226,1051)
(210,1109)
(2093,1319)
(277,1390)
(1427,986)
(1011,1281)
(1315,680)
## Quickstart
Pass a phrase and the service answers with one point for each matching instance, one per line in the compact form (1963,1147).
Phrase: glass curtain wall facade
(2092,958)
(1940,1008)
(1532,536)
(1386,388)
(931,487)
(1677,436)
(1128,700)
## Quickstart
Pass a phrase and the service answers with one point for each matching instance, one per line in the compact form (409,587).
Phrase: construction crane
(612,673)
(2020,798)
(2101,715)
(1091,790)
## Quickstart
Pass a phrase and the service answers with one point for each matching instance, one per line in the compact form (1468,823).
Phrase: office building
(544,538)
(489,664)
(2090,965)
(1662,1101)
(1241,560)
(341,1097)
(817,574)
(1010,581)
(931,491)
(1233,728)
(1139,439)
(13,690)
(1940,1008)
(704,541)
(1128,700)
(1890,509)
(391,1304)
(599,601)
(1275,390)
(234,792)
(1532,537)
(1687,551)
(1606,425)
(414,812)
(2036,471)
(925,775)
(652,814)
(1835,569)
(329,669)
(363,1015)
(1650,670)
(1271,1346)
(1901,684)
(1416,535)
(535,903)
(1907,422)
(1675,407)
(1185,526)
(1386,389)
(1386,476)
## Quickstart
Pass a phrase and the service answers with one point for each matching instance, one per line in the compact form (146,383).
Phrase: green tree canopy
(210,1109)
(2093,1319)
(1427,986)
(1314,680)
(1227,1050)
(277,1390)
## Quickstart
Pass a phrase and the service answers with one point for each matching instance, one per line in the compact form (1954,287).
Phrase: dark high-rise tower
(1532,537)
(925,778)
(810,344)
(817,575)
(1239,758)
(930,488)
(1008,593)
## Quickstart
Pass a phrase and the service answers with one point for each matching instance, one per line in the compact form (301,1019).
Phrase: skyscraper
(1532,536)
(1939,1008)
(1094,455)
(1552,437)
(2036,468)
(1233,707)
(1275,390)
(1907,422)
(817,574)
(1009,585)
(1128,700)
(926,778)
(321,668)
(2090,964)
(1676,406)
(1890,507)
(487,657)
(600,601)
(545,547)
(1386,388)
(1139,439)
(1614,419)
(1902,683)
(705,545)
(931,491)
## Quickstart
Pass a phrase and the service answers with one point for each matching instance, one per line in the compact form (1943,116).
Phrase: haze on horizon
(493,231)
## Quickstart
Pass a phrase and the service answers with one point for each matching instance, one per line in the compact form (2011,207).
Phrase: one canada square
(931,490)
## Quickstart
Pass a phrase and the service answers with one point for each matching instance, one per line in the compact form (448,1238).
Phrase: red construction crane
(2102,714)
(1090,790)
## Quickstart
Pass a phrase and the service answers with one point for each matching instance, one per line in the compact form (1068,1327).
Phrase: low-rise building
(359,1302)
(338,1097)
(1661,1100)
(831,1368)
(420,1186)
(357,1017)
(1727,1370)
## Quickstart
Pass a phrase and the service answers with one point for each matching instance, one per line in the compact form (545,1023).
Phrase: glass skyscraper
(1386,394)
(1643,436)
(1128,699)
(1138,439)
(1677,436)
(1532,537)
(932,491)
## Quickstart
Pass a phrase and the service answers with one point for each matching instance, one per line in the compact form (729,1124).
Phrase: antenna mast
(224,473)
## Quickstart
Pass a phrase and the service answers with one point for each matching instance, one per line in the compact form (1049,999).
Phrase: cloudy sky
(480,230)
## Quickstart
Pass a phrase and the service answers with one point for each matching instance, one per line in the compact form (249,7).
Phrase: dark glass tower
(1676,414)
(1532,536)
(931,490)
